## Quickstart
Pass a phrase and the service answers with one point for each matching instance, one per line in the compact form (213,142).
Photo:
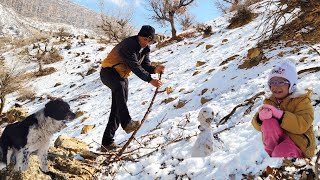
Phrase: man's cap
(147,31)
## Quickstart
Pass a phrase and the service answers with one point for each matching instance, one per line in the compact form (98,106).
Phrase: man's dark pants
(119,111)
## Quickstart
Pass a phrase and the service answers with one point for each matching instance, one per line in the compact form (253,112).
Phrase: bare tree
(44,54)
(221,6)
(167,10)
(116,24)
(231,5)
(186,21)
(275,20)
(62,33)
(10,81)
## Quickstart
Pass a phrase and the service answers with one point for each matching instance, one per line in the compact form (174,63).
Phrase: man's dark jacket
(125,57)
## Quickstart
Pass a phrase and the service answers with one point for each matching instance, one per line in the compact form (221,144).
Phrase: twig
(316,166)
(314,49)
(309,70)
(228,128)
(247,102)
(89,173)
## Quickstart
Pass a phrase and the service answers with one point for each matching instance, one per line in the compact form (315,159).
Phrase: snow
(12,23)
(242,150)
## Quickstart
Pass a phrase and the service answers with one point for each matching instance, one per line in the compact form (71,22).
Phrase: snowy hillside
(13,24)
(58,11)
(219,81)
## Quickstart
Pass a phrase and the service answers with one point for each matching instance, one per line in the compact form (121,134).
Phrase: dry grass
(188,34)
(45,72)
(26,94)
(205,29)
(242,17)
(53,56)
(167,42)
(104,41)
(247,3)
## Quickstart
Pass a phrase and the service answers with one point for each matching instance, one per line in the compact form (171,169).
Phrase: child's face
(279,87)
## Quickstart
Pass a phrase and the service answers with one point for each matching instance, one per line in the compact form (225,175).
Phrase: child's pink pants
(277,143)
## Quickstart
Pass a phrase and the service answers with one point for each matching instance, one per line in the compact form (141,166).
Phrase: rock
(84,119)
(88,155)
(57,84)
(69,143)
(87,128)
(204,91)
(254,53)
(225,40)
(196,72)
(200,44)
(91,71)
(211,70)
(33,172)
(16,114)
(79,113)
(204,100)
(67,168)
(168,100)
(254,57)
(228,60)
(180,104)
(169,90)
(200,63)
(208,46)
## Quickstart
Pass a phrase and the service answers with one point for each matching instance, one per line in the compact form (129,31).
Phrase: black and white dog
(33,134)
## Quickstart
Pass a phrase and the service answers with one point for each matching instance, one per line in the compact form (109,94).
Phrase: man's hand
(155,83)
(159,69)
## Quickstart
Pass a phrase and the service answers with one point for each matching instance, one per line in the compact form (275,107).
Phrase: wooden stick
(135,132)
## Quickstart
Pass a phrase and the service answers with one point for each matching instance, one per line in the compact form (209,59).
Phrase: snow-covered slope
(158,153)
(13,24)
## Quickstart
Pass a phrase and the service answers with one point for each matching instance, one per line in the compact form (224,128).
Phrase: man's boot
(132,126)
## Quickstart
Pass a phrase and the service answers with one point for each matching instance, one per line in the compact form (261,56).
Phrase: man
(130,55)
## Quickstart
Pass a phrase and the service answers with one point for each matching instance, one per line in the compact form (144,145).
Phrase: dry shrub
(104,41)
(18,42)
(68,46)
(62,33)
(52,57)
(45,71)
(15,113)
(26,94)
(250,63)
(205,29)
(237,6)
(4,41)
(242,16)
(117,25)
(188,34)
(56,43)
(229,59)
(167,42)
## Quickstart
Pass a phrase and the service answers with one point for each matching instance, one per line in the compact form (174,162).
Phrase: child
(286,117)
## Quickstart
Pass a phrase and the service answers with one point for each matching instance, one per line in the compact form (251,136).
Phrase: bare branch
(249,101)
(10,81)
(116,23)
(167,10)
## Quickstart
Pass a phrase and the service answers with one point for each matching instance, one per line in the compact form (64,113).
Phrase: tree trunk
(173,29)
(2,102)
(40,65)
